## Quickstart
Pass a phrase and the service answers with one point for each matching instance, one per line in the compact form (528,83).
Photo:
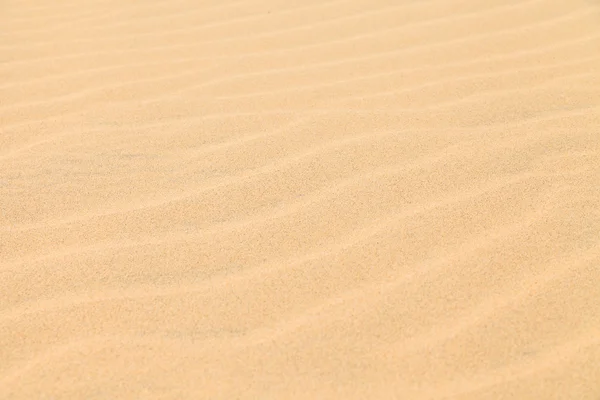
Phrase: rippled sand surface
(271,199)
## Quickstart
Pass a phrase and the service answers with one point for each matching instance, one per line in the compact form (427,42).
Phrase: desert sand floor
(272,199)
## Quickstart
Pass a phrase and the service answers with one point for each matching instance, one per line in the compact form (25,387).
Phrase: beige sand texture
(274,199)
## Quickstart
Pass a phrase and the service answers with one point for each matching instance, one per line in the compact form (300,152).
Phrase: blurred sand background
(274,199)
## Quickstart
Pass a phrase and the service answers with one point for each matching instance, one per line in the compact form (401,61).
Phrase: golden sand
(272,199)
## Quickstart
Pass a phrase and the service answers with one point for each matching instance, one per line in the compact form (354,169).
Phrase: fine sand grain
(271,199)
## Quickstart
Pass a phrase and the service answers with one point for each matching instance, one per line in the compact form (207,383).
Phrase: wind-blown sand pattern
(266,199)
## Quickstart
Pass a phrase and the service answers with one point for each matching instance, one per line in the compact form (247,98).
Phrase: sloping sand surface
(271,199)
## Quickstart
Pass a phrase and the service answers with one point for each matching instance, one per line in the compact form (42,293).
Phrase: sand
(272,199)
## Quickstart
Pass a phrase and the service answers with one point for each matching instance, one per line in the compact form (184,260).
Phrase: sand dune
(300,200)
